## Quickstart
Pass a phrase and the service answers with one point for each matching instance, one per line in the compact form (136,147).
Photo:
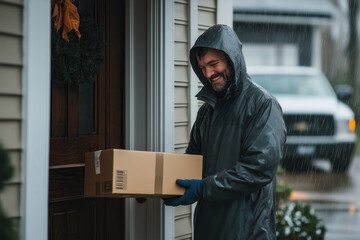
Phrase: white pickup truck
(318,124)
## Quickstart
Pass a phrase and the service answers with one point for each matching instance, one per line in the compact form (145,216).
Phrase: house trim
(292,20)
(149,118)
(316,47)
(193,80)
(36,122)
(167,213)
(224,12)
(130,204)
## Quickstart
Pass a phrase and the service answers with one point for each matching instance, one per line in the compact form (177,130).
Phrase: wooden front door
(86,118)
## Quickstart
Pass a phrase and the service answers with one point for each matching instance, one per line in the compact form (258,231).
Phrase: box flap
(180,166)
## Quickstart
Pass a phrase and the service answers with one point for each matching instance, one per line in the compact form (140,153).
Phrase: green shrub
(297,221)
(6,170)
(280,170)
(7,231)
(283,191)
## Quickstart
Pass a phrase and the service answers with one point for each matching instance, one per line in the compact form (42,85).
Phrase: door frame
(157,101)
(36,120)
(149,104)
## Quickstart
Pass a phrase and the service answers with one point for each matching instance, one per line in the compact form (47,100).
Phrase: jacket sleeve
(263,138)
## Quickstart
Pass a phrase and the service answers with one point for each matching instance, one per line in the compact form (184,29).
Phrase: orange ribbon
(65,14)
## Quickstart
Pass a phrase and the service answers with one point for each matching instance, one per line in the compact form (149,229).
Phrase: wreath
(76,52)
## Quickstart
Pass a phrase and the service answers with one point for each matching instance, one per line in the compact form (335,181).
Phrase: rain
(306,54)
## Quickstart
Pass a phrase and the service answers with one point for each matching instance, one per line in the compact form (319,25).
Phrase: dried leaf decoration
(65,14)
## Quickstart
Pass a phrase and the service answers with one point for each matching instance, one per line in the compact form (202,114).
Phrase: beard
(220,87)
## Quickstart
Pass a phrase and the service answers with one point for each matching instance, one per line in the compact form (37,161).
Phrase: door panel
(73,220)
(66,144)
(73,111)
(88,118)
(70,150)
(66,183)
(58,117)
(112,18)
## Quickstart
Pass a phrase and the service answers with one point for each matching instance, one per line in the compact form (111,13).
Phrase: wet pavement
(335,197)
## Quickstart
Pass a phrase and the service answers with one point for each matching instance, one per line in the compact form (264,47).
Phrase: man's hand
(194,190)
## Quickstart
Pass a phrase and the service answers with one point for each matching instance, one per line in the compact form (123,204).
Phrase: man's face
(215,68)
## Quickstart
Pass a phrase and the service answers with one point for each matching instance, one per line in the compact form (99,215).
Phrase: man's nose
(208,72)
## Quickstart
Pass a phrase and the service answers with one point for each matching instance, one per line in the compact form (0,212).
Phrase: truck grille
(309,125)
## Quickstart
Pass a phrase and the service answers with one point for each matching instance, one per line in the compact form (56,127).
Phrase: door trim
(149,104)
(36,120)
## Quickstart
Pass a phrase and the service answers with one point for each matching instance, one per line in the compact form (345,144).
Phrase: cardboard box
(126,173)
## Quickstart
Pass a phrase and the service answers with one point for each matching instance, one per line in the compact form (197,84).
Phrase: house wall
(11,36)
(191,19)
(276,44)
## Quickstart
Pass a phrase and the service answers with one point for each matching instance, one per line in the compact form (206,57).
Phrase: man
(240,132)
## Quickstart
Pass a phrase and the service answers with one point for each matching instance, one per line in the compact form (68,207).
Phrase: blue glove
(194,190)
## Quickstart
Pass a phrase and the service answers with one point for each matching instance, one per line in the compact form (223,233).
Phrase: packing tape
(97,161)
(159,167)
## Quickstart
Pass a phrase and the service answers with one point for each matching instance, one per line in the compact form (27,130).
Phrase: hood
(220,37)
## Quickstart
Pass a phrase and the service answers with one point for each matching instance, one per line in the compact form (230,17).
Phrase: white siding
(182,227)
(17,2)
(12,105)
(192,17)
(10,49)
(8,11)
(206,19)
(10,80)
(183,222)
(181,77)
(10,200)
(10,99)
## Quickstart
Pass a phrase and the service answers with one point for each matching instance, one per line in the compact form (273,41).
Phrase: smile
(216,79)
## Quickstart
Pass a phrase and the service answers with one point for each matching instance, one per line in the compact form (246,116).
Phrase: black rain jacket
(241,137)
